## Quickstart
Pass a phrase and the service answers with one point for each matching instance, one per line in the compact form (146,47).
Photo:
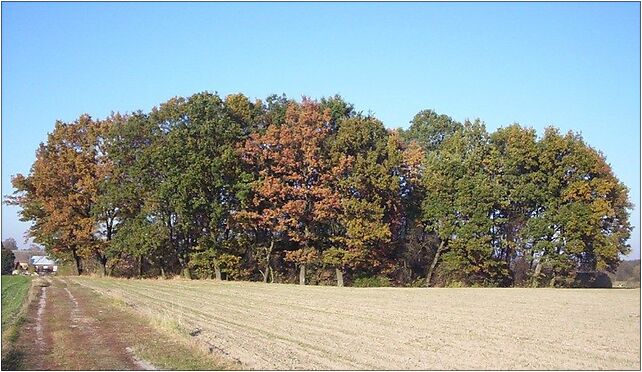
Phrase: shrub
(7,261)
(592,280)
(371,281)
(417,283)
(456,284)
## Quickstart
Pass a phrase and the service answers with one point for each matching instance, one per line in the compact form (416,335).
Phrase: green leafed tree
(430,129)
(7,260)
(461,195)
(368,180)
(583,225)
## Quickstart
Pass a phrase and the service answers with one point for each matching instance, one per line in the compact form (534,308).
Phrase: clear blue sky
(572,65)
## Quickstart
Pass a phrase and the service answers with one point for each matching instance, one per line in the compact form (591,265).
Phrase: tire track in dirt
(39,326)
(62,332)
(103,345)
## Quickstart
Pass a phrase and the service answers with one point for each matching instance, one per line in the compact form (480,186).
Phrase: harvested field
(278,326)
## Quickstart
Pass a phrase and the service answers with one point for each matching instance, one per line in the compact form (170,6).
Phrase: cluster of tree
(8,258)
(7,261)
(628,271)
(10,244)
(273,190)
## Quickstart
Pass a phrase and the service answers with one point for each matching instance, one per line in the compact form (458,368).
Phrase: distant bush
(371,281)
(417,283)
(592,280)
(66,268)
(456,284)
(7,261)
(628,271)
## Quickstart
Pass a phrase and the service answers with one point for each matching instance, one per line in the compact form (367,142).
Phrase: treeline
(286,191)
(629,272)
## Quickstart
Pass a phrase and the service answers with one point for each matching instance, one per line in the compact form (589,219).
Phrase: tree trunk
(538,269)
(140,266)
(339,277)
(302,274)
(183,260)
(102,260)
(434,263)
(268,268)
(77,260)
(187,273)
(217,271)
(161,265)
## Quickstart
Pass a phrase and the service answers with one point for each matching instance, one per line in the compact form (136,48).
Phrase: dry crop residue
(272,326)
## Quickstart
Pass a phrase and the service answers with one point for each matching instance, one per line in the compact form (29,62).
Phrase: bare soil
(277,326)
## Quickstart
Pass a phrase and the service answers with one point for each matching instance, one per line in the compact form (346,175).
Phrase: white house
(43,264)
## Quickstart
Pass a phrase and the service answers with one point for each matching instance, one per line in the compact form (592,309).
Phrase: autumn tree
(60,192)
(230,188)
(292,200)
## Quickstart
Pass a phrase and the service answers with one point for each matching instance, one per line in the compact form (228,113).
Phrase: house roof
(24,256)
(42,260)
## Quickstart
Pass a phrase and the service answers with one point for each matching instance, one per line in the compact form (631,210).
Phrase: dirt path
(67,330)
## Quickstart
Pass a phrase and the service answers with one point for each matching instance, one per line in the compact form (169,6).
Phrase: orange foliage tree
(293,199)
(61,190)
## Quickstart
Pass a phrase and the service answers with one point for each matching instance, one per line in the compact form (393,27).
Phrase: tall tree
(583,224)
(199,180)
(368,163)
(459,207)
(61,190)
(516,169)
(292,197)
(10,244)
(126,197)
(7,260)
(430,129)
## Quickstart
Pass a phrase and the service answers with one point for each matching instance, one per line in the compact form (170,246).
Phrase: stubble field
(278,326)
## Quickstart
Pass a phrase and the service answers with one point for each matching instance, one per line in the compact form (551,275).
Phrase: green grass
(14,292)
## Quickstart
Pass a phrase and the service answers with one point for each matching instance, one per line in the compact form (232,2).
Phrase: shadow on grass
(13,360)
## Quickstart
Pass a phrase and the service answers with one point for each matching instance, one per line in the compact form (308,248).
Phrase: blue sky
(572,65)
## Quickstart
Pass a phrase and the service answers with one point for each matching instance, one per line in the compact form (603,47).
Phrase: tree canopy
(205,186)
